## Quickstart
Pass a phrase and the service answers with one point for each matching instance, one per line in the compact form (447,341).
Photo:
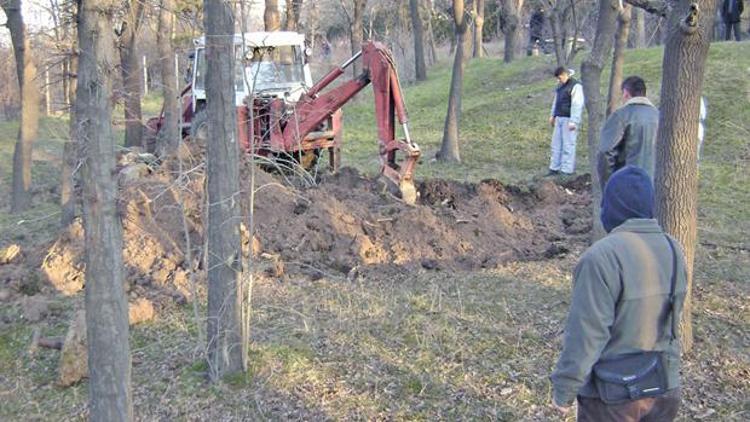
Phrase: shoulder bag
(638,375)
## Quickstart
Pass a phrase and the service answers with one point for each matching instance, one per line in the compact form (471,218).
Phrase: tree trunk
(68,190)
(293,10)
(130,65)
(169,135)
(639,28)
(618,58)
(65,79)
(106,304)
(449,150)
(591,75)
(271,19)
(313,16)
(224,251)
(511,11)
(557,35)
(30,100)
(676,179)
(357,33)
(416,21)
(430,35)
(478,28)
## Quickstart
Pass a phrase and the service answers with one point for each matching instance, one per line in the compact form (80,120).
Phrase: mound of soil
(347,221)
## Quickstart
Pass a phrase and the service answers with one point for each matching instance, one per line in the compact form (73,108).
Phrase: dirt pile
(347,223)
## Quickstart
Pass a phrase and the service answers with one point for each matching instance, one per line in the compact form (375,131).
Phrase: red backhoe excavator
(280,113)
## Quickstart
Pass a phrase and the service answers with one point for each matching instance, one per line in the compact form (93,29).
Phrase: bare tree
(478,28)
(357,32)
(618,58)
(30,101)
(591,75)
(169,135)
(224,250)
(566,23)
(449,149)
(271,18)
(106,305)
(557,23)
(416,21)
(689,32)
(356,23)
(471,14)
(638,33)
(512,28)
(432,56)
(130,67)
(293,10)
(62,13)
(68,194)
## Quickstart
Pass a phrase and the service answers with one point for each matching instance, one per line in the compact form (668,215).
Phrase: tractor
(281,113)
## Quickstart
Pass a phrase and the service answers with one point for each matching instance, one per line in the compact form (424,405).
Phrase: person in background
(628,137)
(565,117)
(702,116)
(536,30)
(628,295)
(731,10)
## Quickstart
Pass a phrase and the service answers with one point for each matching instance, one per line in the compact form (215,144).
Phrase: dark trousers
(729,27)
(656,409)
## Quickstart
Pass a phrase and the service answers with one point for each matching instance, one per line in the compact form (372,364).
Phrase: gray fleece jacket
(619,306)
(628,137)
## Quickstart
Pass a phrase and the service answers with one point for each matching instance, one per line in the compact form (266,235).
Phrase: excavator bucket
(409,192)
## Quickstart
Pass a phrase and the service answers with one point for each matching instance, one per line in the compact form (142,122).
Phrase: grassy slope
(426,345)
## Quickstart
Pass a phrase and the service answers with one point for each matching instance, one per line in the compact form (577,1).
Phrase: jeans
(655,409)
(729,27)
(563,147)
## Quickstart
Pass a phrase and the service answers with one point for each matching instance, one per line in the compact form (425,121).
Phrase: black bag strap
(670,313)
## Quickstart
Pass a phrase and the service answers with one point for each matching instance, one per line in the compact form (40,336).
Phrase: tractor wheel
(199,127)
(198,140)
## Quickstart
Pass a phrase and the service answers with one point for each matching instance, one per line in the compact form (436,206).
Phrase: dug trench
(345,226)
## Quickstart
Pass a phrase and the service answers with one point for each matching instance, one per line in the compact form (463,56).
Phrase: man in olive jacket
(620,304)
(629,134)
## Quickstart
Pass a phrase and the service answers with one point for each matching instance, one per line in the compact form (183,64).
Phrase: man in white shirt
(565,117)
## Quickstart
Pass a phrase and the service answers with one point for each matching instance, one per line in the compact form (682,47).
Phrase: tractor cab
(267,64)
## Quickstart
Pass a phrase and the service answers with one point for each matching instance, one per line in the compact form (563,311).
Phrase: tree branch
(656,7)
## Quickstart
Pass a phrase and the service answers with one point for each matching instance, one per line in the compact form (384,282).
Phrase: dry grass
(419,346)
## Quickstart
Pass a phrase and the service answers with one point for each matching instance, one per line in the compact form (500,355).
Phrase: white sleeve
(576,104)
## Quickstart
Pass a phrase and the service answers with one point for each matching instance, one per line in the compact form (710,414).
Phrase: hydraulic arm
(298,127)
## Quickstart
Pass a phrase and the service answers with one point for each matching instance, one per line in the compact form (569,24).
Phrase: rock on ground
(141,310)
(10,254)
(73,365)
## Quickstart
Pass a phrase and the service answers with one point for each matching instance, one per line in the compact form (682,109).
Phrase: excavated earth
(346,225)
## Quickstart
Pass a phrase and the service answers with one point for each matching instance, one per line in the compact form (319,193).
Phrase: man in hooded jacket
(620,305)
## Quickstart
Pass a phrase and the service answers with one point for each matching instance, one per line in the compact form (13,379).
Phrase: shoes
(552,173)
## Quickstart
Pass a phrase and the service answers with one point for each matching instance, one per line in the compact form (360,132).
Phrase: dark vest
(564,98)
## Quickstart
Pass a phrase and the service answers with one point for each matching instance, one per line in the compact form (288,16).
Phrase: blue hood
(629,194)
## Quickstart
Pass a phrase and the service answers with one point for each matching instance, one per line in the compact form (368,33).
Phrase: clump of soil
(347,222)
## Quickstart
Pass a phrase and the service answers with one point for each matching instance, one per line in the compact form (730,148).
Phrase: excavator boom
(298,127)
